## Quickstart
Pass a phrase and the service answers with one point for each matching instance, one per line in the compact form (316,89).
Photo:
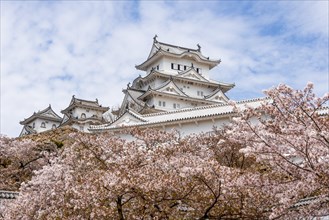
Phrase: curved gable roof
(48,114)
(170,87)
(218,96)
(75,102)
(128,117)
(191,73)
(164,49)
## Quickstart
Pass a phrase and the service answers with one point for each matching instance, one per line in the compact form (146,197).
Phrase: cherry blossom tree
(289,134)
(18,160)
(20,157)
(158,175)
(271,162)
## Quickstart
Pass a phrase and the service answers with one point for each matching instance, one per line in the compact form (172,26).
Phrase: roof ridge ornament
(155,39)
(199,47)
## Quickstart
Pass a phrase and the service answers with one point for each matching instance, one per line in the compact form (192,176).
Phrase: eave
(41,114)
(36,116)
(218,92)
(224,86)
(151,92)
(74,105)
(191,55)
(209,112)
(72,120)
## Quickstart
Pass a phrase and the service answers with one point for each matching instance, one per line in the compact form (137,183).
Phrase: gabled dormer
(217,96)
(131,100)
(170,87)
(127,118)
(191,73)
(80,114)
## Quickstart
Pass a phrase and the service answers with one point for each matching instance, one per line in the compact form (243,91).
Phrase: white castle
(175,93)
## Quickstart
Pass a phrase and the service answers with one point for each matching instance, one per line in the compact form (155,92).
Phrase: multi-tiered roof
(82,111)
(176,78)
(175,92)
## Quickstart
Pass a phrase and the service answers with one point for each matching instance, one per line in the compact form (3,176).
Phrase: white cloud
(52,50)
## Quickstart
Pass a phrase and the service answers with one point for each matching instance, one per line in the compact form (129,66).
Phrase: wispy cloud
(51,50)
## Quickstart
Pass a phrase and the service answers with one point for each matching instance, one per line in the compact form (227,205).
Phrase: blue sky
(51,50)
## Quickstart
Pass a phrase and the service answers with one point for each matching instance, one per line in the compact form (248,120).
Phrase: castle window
(43,125)
(198,70)
(83,115)
(184,67)
(33,125)
(162,103)
(176,106)
(157,67)
(200,93)
(53,126)
(175,66)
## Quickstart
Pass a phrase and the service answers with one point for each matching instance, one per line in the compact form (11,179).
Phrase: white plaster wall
(187,128)
(166,65)
(89,113)
(80,127)
(192,89)
(197,127)
(169,103)
(38,122)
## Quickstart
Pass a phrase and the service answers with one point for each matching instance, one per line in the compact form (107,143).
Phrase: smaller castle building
(80,114)
(40,121)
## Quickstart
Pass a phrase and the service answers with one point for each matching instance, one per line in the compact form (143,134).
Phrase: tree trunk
(119,207)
